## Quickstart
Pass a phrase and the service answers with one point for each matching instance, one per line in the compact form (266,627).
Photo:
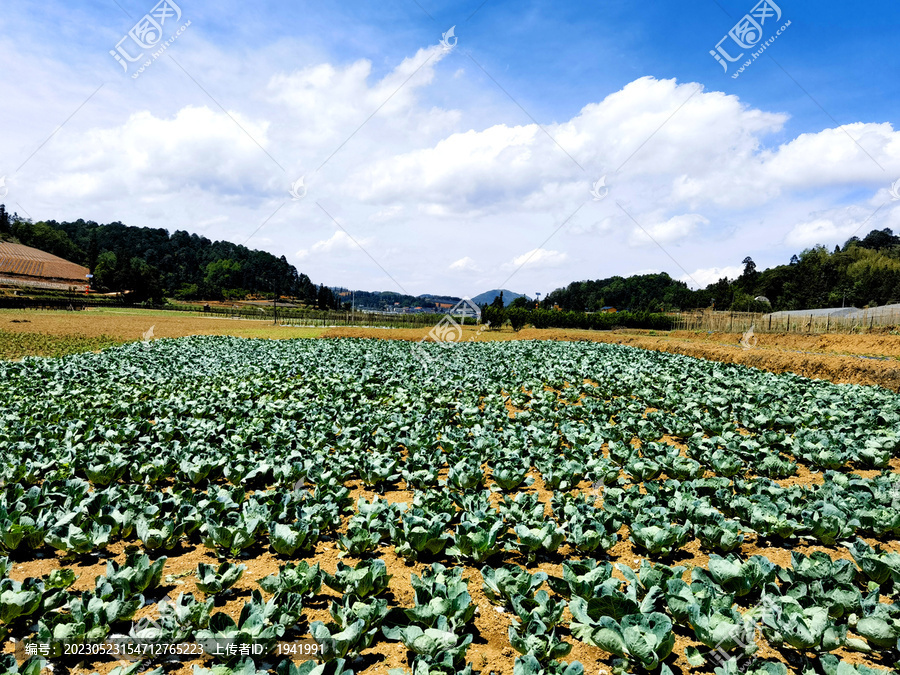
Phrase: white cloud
(537,258)
(702,171)
(818,230)
(669,231)
(387,214)
(835,226)
(465,265)
(602,226)
(328,102)
(339,242)
(147,155)
(701,278)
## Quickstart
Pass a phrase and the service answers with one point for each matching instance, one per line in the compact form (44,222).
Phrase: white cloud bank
(417,184)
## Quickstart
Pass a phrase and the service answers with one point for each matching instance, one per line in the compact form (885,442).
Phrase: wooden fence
(740,322)
(305,317)
(286,316)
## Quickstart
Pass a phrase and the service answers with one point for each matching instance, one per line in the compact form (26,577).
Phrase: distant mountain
(487,297)
(440,298)
(382,300)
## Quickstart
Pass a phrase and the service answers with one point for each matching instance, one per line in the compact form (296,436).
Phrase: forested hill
(155,264)
(862,272)
(386,300)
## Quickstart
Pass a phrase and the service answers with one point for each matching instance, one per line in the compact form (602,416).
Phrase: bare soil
(125,325)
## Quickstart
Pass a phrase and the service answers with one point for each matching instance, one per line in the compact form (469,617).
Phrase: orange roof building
(33,268)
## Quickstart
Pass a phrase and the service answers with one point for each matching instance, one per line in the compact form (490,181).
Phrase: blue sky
(461,169)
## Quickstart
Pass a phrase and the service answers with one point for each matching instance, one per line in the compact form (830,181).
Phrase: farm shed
(33,268)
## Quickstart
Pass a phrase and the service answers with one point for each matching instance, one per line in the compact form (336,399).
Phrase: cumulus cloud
(701,278)
(465,265)
(838,225)
(817,231)
(697,168)
(196,147)
(327,102)
(669,231)
(537,258)
(339,242)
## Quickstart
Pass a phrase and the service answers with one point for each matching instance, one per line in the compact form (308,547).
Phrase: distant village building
(32,268)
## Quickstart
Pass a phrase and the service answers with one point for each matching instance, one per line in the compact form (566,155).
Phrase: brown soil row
(869,344)
(132,326)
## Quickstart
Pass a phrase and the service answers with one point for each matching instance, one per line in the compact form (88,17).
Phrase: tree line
(519,317)
(154,265)
(382,300)
(861,273)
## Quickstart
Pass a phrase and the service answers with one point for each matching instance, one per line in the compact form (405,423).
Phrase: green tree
(141,279)
(518,317)
(221,275)
(105,272)
(494,316)
(325,298)
(188,292)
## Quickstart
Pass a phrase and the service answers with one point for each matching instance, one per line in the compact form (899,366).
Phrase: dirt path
(124,325)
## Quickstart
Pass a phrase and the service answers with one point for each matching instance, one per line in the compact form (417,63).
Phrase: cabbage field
(332,506)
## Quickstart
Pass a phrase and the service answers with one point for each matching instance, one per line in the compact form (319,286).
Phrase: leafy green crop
(137,575)
(438,646)
(301,578)
(19,599)
(367,579)
(876,564)
(583,578)
(802,628)
(252,626)
(503,584)
(441,593)
(535,639)
(213,580)
(477,538)
(546,538)
(421,533)
(249,446)
(645,639)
